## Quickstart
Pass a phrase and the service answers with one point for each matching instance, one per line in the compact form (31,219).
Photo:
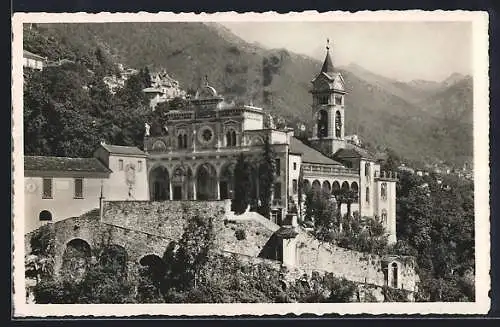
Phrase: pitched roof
(42,163)
(327,64)
(126,150)
(310,155)
(31,55)
(354,152)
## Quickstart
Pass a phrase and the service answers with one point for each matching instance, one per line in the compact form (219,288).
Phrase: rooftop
(42,163)
(310,155)
(31,55)
(126,150)
(354,152)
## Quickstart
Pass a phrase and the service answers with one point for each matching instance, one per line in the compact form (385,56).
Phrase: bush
(240,235)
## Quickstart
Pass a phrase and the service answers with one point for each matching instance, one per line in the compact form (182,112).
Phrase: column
(194,190)
(217,184)
(171,194)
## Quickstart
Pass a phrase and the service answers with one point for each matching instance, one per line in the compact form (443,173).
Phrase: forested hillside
(384,113)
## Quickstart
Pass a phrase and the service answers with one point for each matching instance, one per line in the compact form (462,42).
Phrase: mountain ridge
(383,112)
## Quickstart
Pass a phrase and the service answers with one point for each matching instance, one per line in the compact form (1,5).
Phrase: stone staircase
(247,216)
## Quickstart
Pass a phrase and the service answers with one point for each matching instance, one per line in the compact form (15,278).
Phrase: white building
(33,61)
(57,188)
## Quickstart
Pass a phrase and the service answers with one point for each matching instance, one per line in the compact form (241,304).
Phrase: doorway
(177,192)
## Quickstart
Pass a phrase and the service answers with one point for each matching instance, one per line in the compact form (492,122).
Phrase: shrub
(240,235)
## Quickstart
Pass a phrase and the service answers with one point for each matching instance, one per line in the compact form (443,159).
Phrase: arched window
(159,146)
(306,185)
(182,140)
(323,99)
(45,215)
(345,186)
(179,141)
(355,191)
(338,124)
(367,195)
(367,169)
(383,191)
(384,217)
(322,123)
(231,138)
(394,269)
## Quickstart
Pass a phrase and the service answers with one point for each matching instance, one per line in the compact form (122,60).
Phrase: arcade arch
(206,182)
(159,181)
(76,258)
(226,181)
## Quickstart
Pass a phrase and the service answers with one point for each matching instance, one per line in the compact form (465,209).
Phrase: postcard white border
(479,21)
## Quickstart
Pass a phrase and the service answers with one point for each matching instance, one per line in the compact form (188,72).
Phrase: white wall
(63,204)
(389,205)
(252,121)
(117,188)
(293,174)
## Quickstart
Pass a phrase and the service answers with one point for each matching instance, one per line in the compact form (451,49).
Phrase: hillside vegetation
(384,112)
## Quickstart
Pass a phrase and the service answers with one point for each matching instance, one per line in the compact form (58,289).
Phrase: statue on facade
(147,127)
(271,122)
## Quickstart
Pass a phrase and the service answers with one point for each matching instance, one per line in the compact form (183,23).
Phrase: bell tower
(328,93)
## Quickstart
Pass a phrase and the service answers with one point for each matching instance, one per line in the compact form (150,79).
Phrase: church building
(192,156)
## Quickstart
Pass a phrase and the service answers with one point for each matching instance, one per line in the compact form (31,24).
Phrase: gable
(322,82)
(338,83)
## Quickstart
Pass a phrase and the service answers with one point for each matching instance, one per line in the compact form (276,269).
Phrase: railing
(317,169)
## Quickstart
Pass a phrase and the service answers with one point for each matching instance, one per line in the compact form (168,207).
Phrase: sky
(400,50)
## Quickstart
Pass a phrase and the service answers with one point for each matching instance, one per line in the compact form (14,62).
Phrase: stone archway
(159,184)
(316,186)
(335,187)
(226,181)
(206,182)
(306,185)
(76,259)
(152,266)
(326,187)
(182,183)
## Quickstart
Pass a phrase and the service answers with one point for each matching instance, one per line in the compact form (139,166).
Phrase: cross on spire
(327,64)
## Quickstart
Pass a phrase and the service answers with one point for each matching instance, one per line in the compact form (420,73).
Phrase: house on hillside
(33,61)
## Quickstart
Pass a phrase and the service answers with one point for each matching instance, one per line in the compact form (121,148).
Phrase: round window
(206,135)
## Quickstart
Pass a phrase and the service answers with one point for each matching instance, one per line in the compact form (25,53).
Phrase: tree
(194,248)
(392,161)
(242,185)
(267,173)
(300,191)
(101,283)
(321,210)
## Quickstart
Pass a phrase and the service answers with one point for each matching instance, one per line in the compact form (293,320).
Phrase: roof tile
(42,163)
(310,155)
(126,150)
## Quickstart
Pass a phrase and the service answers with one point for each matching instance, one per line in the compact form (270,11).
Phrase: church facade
(193,155)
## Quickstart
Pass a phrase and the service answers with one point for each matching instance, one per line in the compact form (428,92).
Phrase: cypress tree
(267,173)
(242,185)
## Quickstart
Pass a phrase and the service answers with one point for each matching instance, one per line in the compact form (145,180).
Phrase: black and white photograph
(252,163)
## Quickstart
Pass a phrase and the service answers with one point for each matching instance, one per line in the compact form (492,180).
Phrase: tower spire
(327,64)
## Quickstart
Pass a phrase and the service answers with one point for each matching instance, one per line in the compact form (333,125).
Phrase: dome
(206,91)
